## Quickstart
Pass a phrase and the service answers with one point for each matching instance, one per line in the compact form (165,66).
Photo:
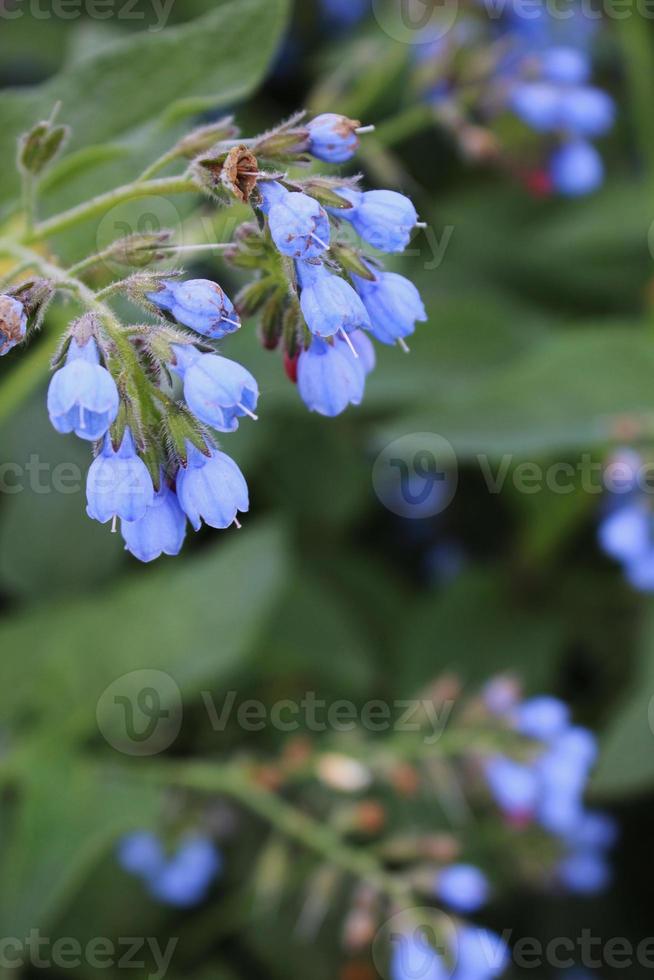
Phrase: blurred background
(534,370)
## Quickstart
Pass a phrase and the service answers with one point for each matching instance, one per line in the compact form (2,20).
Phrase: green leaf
(130,81)
(195,621)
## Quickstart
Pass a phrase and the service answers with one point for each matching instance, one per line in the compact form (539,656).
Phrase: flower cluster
(182,879)
(153,397)
(538,68)
(626,531)
(547,787)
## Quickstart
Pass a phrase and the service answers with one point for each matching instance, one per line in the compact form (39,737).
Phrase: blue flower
(364,349)
(514,786)
(626,532)
(585,872)
(118,484)
(480,954)
(218,391)
(333,138)
(538,104)
(161,530)
(463,887)
(329,304)
(384,219)
(212,489)
(198,304)
(298,224)
(393,304)
(565,65)
(576,168)
(13,323)
(141,853)
(184,881)
(413,957)
(82,397)
(586,112)
(542,718)
(330,378)
(344,13)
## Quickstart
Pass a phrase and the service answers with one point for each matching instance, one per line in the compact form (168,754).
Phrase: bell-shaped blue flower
(212,489)
(333,138)
(586,111)
(480,954)
(576,168)
(542,718)
(161,530)
(384,219)
(393,304)
(330,377)
(218,391)
(585,872)
(565,65)
(13,323)
(118,484)
(329,304)
(363,348)
(514,786)
(537,104)
(463,887)
(298,224)
(82,397)
(413,956)
(186,878)
(198,304)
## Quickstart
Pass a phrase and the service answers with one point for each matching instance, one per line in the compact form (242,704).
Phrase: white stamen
(237,523)
(403,345)
(114,524)
(320,242)
(235,323)
(349,342)
(248,412)
(365,129)
(421,224)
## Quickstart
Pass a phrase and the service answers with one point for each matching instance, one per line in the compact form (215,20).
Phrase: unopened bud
(343,773)
(205,137)
(40,146)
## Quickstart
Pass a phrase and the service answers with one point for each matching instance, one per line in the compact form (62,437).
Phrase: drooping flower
(329,304)
(118,483)
(333,138)
(13,323)
(384,219)
(565,65)
(480,954)
(514,786)
(198,304)
(82,397)
(218,391)
(393,304)
(299,225)
(141,853)
(212,489)
(181,880)
(542,718)
(329,378)
(413,956)
(161,530)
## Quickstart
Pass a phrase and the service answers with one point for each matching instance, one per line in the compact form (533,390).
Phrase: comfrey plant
(626,530)
(154,396)
(518,769)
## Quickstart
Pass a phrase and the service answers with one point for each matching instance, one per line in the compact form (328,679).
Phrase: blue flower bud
(218,391)
(586,112)
(463,887)
(82,397)
(594,830)
(118,484)
(298,224)
(413,956)
(576,168)
(329,378)
(480,954)
(393,304)
(141,853)
(384,219)
(333,138)
(585,872)
(626,532)
(364,350)
(542,718)
(640,572)
(538,104)
(161,530)
(329,304)
(212,489)
(565,65)
(514,786)
(13,323)
(198,304)
(185,880)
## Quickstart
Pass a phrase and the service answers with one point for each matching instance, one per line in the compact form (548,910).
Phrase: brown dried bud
(239,173)
(13,323)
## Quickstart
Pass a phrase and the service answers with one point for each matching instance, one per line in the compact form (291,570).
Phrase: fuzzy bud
(204,138)
(40,146)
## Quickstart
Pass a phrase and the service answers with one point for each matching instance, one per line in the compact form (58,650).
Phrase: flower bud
(205,137)
(13,323)
(40,146)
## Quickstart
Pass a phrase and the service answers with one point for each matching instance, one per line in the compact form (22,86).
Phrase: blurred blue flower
(141,853)
(565,65)
(480,954)
(198,304)
(218,391)
(118,483)
(412,957)
(576,168)
(463,887)
(82,396)
(344,13)
(212,489)
(585,872)
(542,717)
(183,879)
(161,530)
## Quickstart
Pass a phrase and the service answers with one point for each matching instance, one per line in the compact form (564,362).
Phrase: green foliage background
(539,345)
